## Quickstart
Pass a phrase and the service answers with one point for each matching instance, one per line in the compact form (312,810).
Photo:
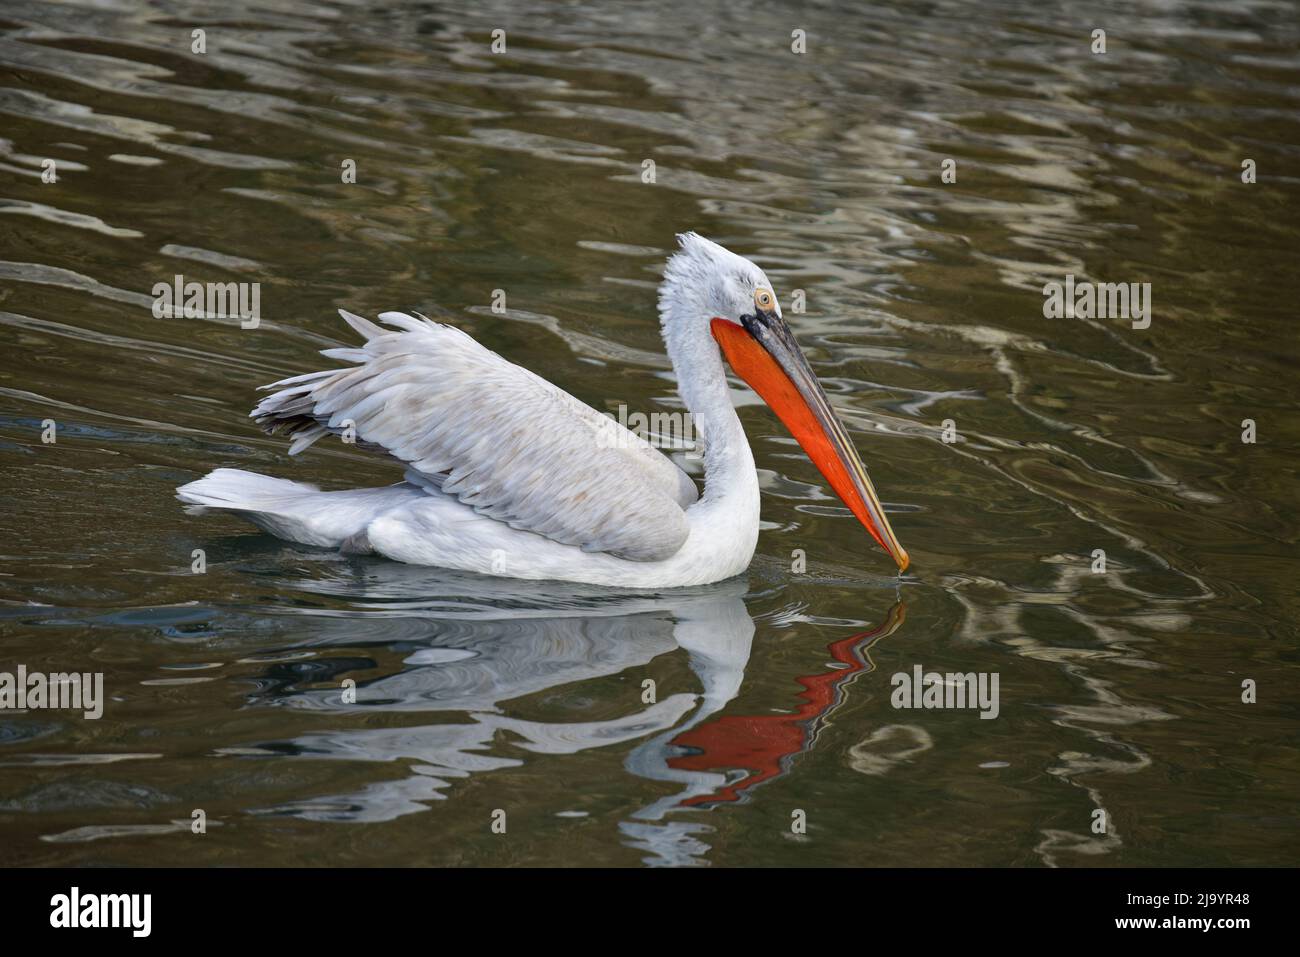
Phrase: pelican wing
(470,424)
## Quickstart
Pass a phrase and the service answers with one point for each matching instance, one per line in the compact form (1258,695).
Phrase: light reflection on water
(522,171)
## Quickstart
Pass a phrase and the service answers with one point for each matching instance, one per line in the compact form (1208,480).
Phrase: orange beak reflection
(764,353)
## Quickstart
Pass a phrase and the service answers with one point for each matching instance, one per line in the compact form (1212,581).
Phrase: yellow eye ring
(764,299)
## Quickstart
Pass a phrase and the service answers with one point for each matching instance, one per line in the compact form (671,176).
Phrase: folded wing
(468,423)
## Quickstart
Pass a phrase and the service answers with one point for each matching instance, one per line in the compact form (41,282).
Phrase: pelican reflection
(469,646)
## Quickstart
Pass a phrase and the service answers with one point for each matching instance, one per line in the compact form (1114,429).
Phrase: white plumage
(472,425)
(506,474)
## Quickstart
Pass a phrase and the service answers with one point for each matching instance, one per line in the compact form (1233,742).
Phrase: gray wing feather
(468,423)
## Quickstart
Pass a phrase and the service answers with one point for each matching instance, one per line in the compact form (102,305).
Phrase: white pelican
(508,475)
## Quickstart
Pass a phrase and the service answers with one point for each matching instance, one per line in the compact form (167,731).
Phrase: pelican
(508,475)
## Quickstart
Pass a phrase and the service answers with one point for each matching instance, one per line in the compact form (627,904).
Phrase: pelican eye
(764,299)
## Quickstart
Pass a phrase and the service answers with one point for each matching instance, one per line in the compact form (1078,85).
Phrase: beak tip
(903,561)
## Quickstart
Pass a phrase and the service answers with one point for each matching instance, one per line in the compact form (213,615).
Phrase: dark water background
(522,171)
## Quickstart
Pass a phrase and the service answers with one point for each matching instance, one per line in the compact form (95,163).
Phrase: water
(522,171)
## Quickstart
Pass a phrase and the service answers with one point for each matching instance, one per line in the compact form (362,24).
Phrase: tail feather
(292,510)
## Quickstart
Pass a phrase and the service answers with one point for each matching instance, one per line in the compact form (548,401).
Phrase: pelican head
(708,286)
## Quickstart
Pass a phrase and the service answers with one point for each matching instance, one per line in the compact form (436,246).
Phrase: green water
(523,171)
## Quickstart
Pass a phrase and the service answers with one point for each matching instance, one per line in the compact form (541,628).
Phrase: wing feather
(467,422)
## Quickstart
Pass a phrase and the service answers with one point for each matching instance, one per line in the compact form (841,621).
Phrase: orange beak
(764,353)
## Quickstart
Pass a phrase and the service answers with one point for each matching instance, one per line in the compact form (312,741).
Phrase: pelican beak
(762,350)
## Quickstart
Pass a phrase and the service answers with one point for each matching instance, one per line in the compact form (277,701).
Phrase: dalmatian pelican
(509,475)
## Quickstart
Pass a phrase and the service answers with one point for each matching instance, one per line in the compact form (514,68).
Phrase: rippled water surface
(522,171)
